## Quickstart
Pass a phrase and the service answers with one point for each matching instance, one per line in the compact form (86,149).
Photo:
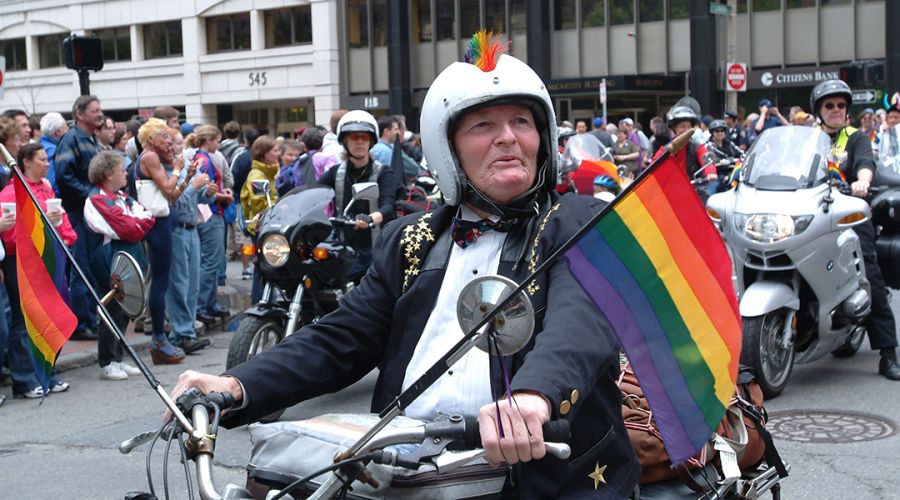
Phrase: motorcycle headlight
(275,250)
(769,228)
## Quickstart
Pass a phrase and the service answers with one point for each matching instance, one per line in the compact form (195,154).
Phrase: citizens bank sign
(792,77)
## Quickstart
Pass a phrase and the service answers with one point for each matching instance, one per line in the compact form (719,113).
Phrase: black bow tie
(466,232)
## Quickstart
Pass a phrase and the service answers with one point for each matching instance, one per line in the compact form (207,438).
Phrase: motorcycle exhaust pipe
(856,307)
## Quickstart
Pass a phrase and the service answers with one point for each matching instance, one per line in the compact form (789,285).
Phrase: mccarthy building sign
(792,77)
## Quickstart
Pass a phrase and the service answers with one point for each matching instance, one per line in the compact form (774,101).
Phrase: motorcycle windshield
(304,205)
(787,158)
(586,147)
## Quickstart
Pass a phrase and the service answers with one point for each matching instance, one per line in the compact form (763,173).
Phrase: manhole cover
(829,426)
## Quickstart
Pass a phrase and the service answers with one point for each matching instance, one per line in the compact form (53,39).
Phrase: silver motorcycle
(798,266)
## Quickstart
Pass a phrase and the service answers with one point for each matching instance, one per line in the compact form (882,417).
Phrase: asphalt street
(67,447)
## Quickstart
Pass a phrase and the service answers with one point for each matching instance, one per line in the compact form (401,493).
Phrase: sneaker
(36,393)
(112,372)
(125,367)
(59,387)
(247,274)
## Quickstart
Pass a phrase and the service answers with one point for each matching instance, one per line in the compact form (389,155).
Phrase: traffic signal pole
(84,82)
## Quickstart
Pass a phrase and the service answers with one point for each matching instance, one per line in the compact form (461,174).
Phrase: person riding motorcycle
(357,131)
(489,135)
(852,153)
(720,143)
(567,167)
(696,156)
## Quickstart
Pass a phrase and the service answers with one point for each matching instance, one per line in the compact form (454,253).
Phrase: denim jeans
(82,303)
(212,254)
(159,241)
(184,277)
(4,324)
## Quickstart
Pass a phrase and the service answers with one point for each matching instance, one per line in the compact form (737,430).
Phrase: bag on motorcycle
(740,428)
(286,451)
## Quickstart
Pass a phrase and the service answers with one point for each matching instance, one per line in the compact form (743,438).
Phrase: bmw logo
(829,265)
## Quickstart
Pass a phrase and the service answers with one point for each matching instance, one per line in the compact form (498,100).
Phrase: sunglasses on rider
(832,105)
(358,136)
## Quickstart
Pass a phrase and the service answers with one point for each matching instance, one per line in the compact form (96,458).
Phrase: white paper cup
(53,204)
(8,208)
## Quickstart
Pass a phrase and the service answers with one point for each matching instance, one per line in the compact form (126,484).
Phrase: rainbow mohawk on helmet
(484,50)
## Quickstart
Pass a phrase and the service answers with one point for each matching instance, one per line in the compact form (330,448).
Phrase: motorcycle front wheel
(763,350)
(253,336)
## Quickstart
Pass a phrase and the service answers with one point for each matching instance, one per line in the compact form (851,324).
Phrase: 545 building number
(258,79)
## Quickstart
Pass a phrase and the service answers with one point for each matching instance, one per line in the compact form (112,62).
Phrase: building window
(379,23)
(679,9)
(593,13)
(445,24)
(764,5)
(495,15)
(564,15)
(826,3)
(742,6)
(650,10)
(421,12)
(50,50)
(469,18)
(517,16)
(357,23)
(116,44)
(162,40)
(14,52)
(227,33)
(288,26)
(621,12)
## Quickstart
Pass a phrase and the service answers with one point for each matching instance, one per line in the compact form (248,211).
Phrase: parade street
(67,448)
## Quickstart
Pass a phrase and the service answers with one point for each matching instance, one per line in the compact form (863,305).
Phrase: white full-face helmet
(357,121)
(462,87)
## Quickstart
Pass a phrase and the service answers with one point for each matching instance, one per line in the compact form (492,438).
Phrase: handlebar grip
(556,431)
(224,400)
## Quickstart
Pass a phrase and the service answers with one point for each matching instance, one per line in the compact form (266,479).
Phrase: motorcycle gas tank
(886,209)
(303,207)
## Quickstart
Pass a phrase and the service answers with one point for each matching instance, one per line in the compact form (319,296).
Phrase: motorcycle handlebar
(554,431)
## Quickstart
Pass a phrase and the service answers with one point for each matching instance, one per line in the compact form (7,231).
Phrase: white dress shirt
(465,388)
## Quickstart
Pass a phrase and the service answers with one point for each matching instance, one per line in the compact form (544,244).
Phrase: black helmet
(718,125)
(680,113)
(829,88)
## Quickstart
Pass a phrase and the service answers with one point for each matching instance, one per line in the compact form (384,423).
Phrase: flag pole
(443,364)
(101,307)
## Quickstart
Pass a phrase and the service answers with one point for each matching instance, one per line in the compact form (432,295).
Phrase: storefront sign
(653,83)
(792,77)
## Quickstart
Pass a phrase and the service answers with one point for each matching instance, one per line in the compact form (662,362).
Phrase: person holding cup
(32,159)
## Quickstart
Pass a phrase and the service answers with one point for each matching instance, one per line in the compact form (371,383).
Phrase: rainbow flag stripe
(657,268)
(41,272)
(834,170)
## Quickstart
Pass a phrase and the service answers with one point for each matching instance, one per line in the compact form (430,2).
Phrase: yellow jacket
(252,204)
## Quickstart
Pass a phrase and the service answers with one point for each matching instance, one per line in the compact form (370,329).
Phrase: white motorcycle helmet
(462,87)
(357,121)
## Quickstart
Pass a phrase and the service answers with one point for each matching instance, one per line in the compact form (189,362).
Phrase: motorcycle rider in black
(722,145)
(830,101)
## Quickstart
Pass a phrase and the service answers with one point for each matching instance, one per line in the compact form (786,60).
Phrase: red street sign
(736,77)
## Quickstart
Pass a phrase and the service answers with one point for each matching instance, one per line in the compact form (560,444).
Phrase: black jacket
(379,324)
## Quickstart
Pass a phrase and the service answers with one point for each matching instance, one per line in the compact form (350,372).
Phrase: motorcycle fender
(766,296)
(267,311)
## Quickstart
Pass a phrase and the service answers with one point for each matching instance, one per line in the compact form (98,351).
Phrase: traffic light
(83,53)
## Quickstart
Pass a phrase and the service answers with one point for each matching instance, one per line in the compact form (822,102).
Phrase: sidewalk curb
(229,297)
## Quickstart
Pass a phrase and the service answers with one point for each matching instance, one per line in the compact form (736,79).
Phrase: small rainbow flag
(834,171)
(657,268)
(735,175)
(40,268)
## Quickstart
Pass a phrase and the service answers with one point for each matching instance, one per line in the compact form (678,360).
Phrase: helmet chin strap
(521,207)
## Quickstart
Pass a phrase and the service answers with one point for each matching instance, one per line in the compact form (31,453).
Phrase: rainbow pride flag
(834,171)
(40,267)
(657,268)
